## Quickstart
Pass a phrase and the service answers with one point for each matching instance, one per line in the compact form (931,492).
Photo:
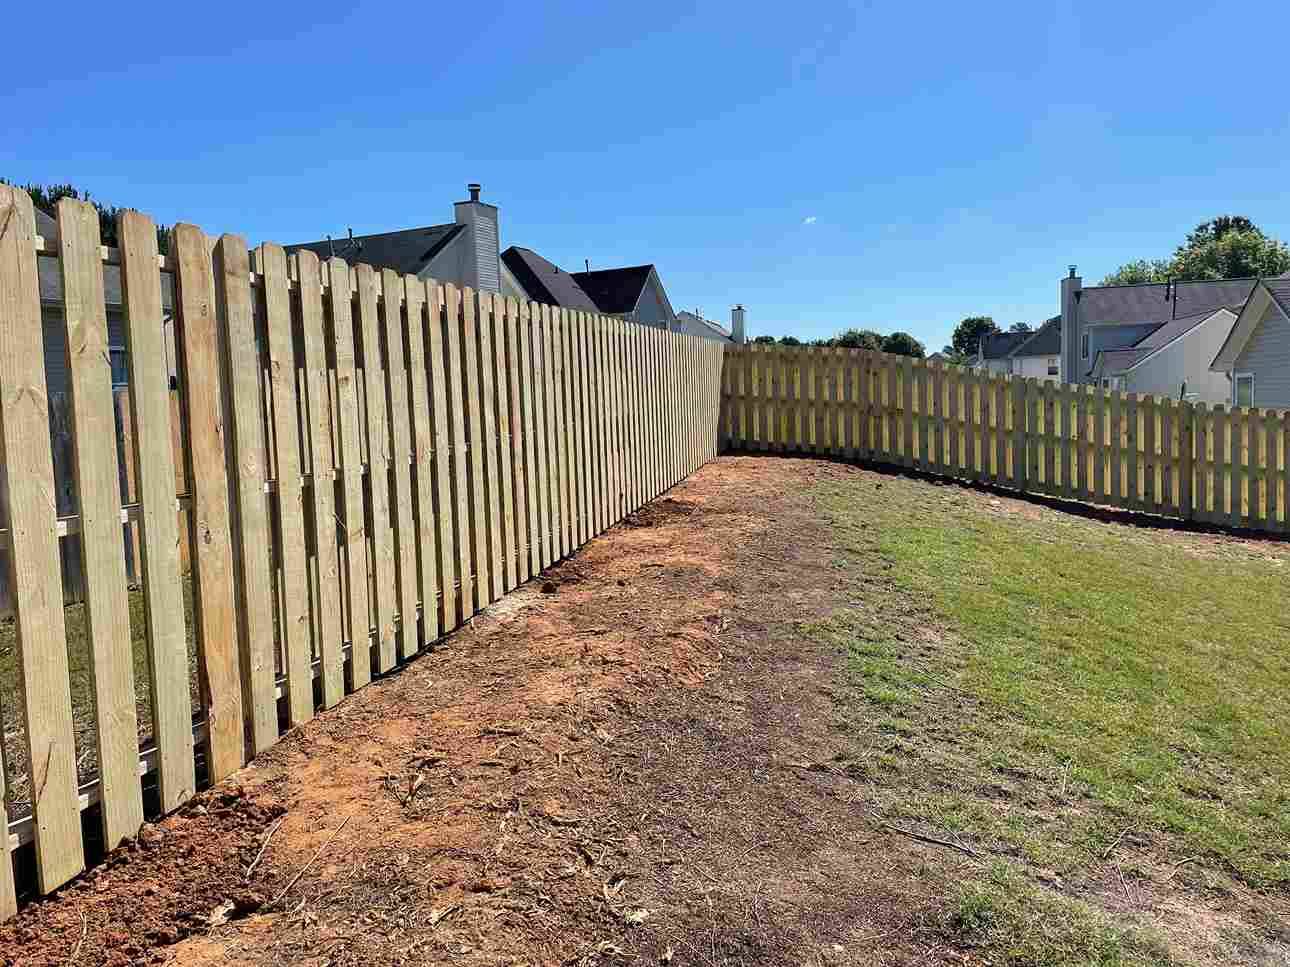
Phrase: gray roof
(1044,341)
(545,281)
(1147,303)
(696,325)
(615,291)
(998,345)
(1118,360)
(1174,328)
(1280,289)
(406,251)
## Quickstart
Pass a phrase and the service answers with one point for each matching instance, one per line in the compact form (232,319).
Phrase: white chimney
(738,333)
(480,266)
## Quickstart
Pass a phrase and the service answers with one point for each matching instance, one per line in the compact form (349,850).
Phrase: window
(1083,346)
(1052,366)
(1243,390)
(120,366)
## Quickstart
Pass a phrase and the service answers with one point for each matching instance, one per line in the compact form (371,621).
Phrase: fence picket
(490,397)
(154,463)
(349,449)
(294,625)
(96,478)
(521,437)
(27,472)
(454,365)
(418,296)
(444,456)
(204,367)
(399,437)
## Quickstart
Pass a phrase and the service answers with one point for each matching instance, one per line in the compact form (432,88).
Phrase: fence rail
(1217,464)
(370,458)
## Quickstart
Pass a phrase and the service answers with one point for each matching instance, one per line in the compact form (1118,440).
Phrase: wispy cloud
(808,220)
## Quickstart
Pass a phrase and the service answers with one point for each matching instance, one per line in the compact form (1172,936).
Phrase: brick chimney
(481,265)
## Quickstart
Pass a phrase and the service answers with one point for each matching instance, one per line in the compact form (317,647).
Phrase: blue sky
(888,165)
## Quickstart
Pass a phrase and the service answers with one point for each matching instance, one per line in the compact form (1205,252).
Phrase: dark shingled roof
(998,345)
(1044,341)
(546,282)
(406,251)
(1141,304)
(1280,289)
(614,291)
(1118,360)
(1173,329)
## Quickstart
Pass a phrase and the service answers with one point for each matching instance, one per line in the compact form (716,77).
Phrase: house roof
(546,282)
(1044,341)
(696,324)
(999,345)
(1118,360)
(1171,330)
(1268,293)
(1148,303)
(406,251)
(615,291)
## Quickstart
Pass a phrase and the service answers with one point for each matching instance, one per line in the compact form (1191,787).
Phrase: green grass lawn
(1088,701)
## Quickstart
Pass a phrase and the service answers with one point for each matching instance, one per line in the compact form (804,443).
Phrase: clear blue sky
(893,165)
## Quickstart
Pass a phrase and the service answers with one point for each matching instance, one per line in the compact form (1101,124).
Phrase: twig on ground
(1111,849)
(1178,866)
(286,889)
(85,929)
(932,840)
(263,846)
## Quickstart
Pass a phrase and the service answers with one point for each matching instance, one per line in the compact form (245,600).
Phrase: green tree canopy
(47,197)
(903,344)
(968,333)
(1020,327)
(1226,247)
(858,339)
(763,340)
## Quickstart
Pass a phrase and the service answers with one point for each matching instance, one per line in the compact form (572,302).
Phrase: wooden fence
(1218,464)
(370,458)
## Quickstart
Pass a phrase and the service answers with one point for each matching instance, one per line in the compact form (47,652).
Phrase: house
(634,293)
(694,324)
(1171,360)
(1254,359)
(1023,354)
(1115,318)
(463,251)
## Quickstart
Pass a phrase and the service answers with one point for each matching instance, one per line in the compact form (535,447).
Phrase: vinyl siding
(1186,359)
(1267,356)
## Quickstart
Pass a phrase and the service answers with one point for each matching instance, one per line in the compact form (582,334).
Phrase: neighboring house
(1106,318)
(1022,354)
(464,251)
(693,324)
(1172,360)
(1255,357)
(54,323)
(634,293)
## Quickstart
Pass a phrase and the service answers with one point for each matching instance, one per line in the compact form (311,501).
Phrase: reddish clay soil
(625,759)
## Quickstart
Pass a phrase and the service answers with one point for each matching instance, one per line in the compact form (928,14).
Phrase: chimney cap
(474,189)
(1072,270)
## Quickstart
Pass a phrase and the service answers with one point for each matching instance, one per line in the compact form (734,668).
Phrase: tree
(857,339)
(903,344)
(968,333)
(789,341)
(1020,327)
(47,197)
(1139,271)
(763,340)
(1226,247)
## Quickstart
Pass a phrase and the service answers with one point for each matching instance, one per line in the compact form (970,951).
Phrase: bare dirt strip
(634,758)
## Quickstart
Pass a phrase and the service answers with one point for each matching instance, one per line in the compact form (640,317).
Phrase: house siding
(650,310)
(1186,359)
(1109,337)
(1267,356)
(1036,366)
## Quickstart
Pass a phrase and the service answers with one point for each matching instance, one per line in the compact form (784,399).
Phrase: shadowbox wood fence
(1223,465)
(370,459)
